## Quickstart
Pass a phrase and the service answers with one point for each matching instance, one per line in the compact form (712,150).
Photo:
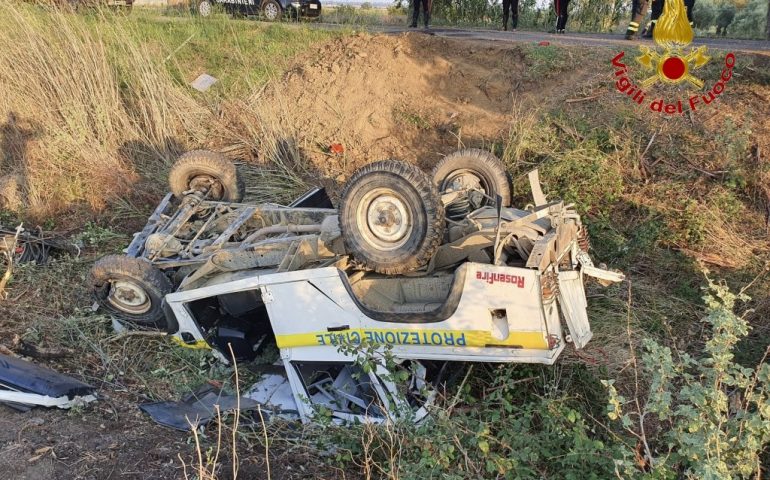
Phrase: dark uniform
(657,10)
(638,12)
(562,8)
(689,4)
(426,4)
(513,6)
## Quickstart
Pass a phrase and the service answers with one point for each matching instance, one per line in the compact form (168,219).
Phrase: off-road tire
(139,272)
(268,6)
(209,164)
(419,198)
(204,10)
(484,165)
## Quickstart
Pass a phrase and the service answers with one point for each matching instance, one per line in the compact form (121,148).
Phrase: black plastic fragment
(196,409)
(24,376)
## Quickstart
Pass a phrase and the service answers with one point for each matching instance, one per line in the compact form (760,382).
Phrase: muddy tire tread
(206,162)
(120,266)
(481,161)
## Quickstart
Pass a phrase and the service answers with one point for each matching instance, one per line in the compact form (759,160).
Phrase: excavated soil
(413,97)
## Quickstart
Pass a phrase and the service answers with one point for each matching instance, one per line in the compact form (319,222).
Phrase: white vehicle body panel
(312,313)
(500,317)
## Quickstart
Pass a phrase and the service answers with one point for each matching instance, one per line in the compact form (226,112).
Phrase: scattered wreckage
(24,385)
(24,246)
(432,269)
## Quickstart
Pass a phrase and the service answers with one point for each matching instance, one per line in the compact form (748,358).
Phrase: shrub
(713,414)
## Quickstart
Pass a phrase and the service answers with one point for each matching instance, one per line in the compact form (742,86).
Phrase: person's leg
(514,14)
(563,15)
(415,12)
(426,7)
(506,8)
(657,10)
(638,12)
(689,4)
(557,9)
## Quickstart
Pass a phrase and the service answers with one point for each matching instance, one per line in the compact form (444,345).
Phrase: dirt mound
(413,97)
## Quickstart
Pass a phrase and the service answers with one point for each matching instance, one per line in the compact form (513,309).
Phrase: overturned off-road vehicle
(433,269)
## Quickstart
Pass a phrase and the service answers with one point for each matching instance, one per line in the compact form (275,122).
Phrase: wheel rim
(464,180)
(206,183)
(204,8)
(271,11)
(385,218)
(129,297)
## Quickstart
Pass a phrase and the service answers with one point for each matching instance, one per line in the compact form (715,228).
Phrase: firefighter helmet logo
(673,34)
(672,63)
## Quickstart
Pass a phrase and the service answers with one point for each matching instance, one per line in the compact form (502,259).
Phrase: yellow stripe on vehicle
(431,338)
(196,345)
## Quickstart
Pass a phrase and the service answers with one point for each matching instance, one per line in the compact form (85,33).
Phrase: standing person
(562,8)
(638,12)
(513,6)
(426,4)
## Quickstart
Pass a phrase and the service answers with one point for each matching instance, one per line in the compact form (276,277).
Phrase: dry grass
(73,97)
(7,254)
(93,110)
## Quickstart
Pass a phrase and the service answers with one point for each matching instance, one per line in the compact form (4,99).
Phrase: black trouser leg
(514,14)
(415,11)
(426,8)
(657,10)
(506,9)
(562,7)
(689,4)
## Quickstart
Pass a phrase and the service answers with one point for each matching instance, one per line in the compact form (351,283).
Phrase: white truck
(411,272)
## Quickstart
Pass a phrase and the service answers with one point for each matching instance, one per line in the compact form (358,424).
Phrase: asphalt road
(761,47)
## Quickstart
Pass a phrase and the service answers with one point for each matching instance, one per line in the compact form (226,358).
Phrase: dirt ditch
(413,97)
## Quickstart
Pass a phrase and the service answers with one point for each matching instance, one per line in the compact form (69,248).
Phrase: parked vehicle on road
(270,10)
